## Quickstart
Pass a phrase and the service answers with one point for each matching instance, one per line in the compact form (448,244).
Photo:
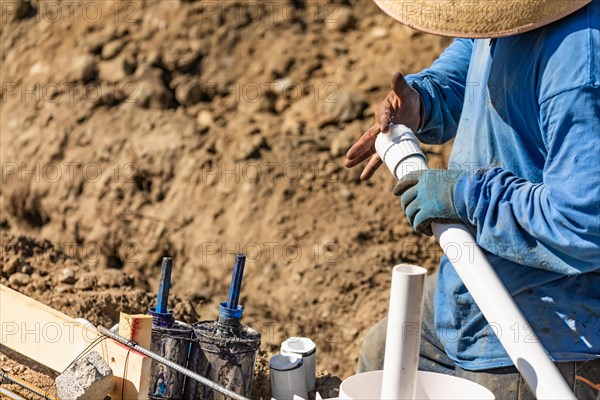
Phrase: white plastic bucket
(430,385)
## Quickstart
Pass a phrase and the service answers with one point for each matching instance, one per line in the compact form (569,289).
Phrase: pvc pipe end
(399,150)
(409,269)
(285,362)
(298,345)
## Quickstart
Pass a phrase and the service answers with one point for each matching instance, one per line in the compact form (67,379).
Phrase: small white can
(287,377)
(307,349)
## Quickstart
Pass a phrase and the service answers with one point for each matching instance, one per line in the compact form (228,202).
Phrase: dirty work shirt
(525,114)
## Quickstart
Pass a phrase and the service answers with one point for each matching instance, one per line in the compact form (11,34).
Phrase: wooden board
(138,328)
(54,339)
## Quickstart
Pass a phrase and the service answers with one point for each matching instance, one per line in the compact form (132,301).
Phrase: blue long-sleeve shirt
(525,114)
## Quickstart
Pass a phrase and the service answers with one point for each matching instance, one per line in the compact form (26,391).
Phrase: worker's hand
(428,196)
(401,106)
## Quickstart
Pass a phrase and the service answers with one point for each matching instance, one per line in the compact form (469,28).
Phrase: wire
(125,374)
(85,351)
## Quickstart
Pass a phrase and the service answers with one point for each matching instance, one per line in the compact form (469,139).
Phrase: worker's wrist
(460,195)
(417,85)
(421,112)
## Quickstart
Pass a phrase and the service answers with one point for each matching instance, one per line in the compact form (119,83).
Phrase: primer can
(223,351)
(171,340)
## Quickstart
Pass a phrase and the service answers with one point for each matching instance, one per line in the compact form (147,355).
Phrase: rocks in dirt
(378,32)
(78,68)
(10,266)
(250,148)
(112,278)
(116,70)
(188,93)
(26,269)
(105,278)
(182,59)
(94,42)
(89,378)
(346,194)
(111,49)
(346,105)
(19,279)
(342,20)
(67,275)
(150,89)
(204,120)
(343,140)
(87,281)
(112,71)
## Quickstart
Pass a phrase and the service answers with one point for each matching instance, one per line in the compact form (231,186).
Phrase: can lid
(285,362)
(299,345)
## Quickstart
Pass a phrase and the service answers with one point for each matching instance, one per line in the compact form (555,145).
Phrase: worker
(519,92)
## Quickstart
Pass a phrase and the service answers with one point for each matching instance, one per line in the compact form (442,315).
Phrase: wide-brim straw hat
(478,18)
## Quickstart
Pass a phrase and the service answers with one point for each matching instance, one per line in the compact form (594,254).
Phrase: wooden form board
(54,339)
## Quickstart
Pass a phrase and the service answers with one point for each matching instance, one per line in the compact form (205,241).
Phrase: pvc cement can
(224,354)
(173,343)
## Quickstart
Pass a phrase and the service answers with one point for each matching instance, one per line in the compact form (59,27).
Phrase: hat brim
(478,19)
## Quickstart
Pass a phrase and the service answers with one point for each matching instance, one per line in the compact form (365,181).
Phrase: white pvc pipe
(288,378)
(307,349)
(480,278)
(403,339)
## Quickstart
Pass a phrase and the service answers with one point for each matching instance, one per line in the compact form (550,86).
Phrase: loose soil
(135,130)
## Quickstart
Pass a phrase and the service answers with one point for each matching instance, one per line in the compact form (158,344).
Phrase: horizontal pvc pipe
(403,339)
(480,278)
(10,395)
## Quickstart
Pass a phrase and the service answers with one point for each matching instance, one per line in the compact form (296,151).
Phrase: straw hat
(478,18)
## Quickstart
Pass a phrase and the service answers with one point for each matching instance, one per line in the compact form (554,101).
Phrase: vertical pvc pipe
(287,377)
(480,279)
(307,349)
(403,333)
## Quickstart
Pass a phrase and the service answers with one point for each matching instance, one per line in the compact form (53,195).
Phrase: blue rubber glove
(428,196)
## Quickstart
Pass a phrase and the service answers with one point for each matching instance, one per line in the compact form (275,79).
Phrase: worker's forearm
(516,220)
(442,90)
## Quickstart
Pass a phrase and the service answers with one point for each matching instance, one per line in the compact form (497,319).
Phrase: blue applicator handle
(231,309)
(161,315)
(236,281)
(165,285)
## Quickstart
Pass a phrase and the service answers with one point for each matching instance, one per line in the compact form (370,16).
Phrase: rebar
(24,385)
(192,375)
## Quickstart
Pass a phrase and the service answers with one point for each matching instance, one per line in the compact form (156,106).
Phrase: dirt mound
(135,130)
